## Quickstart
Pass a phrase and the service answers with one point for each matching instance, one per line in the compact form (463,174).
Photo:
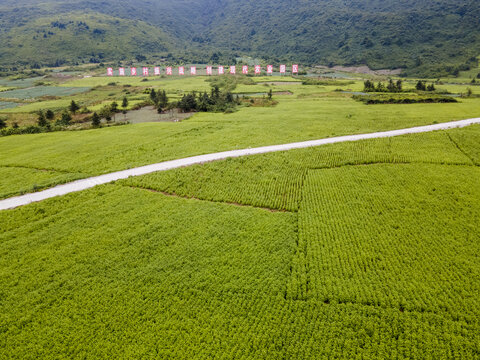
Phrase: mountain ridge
(431,38)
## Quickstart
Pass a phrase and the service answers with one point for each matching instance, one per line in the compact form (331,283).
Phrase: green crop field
(19,180)
(311,113)
(36,106)
(39,91)
(353,250)
(19,83)
(7,105)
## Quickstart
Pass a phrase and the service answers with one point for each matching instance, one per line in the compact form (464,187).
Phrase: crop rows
(399,236)
(275,180)
(118,272)
(39,91)
(7,105)
(467,141)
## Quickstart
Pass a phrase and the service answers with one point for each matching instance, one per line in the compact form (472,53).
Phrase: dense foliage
(422,37)
(404,99)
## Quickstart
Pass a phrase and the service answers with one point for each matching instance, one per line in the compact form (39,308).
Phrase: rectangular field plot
(7,105)
(114,272)
(19,83)
(119,258)
(38,91)
(393,236)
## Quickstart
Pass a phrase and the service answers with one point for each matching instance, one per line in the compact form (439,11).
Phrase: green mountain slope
(431,38)
(78,37)
(422,36)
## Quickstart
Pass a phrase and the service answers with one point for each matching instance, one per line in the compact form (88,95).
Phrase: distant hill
(430,38)
(73,38)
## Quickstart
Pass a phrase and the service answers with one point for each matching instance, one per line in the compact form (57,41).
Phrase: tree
(73,107)
(42,121)
(270,94)
(420,86)
(188,103)
(49,114)
(431,87)
(229,97)
(153,96)
(469,92)
(368,86)
(3,123)
(380,87)
(125,103)
(66,118)
(215,92)
(95,120)
(114,107)
(399,85)
(162,99)
(203,102)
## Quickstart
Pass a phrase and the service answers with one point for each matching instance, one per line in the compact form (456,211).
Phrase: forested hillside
(431,38)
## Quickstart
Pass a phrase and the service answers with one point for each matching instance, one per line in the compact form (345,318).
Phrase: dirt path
(88,183)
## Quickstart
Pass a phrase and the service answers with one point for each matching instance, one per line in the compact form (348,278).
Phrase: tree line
(395,86)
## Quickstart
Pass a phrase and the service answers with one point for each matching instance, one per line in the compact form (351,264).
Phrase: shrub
(95,120)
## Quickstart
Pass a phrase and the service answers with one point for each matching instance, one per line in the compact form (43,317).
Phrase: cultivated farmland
(351,250)
(340,248)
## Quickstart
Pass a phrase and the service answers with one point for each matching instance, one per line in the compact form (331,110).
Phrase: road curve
(88,183)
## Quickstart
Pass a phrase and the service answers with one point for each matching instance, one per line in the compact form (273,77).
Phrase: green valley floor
(364,250)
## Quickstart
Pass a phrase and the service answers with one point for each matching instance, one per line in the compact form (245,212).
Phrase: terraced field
(354,250)
(39,91)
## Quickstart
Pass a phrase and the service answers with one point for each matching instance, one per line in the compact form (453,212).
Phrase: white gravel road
(84,184)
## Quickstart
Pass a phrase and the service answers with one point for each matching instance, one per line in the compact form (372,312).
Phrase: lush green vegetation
(424,38)
(372,256)
(63,39)
(275,180)
(404,99)
(302,113)
(41,91)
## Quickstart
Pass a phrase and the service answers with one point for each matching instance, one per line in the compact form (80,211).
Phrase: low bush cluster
(403,99)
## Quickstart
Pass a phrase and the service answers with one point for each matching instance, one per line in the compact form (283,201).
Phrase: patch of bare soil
(150,114)
(363,69)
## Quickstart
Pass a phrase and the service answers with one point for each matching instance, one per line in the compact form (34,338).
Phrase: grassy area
(131,105)
(171,84)
(18,180)
(58,104)
(12,82)
(310,113)
(373,256)
(276,180)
